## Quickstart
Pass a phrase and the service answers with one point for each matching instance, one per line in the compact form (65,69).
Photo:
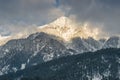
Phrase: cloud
(21,32)
(27,11)
(15,15)
(102,12)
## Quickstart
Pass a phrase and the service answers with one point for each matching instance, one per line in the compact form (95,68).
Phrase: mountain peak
(67,29)
(63,18)
(63,27)
(62,22)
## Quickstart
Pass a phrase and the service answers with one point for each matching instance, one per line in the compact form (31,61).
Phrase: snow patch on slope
(119,42)
(23,66)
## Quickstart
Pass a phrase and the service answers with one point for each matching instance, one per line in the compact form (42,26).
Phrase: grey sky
(18,14)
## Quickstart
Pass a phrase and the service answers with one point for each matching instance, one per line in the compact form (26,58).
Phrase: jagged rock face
(79,45)
(37,48)
(102,40)
(100,65)
(113,42)
(84,45)
(94,44)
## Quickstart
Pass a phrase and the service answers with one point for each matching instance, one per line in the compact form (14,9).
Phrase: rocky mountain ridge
(42,47)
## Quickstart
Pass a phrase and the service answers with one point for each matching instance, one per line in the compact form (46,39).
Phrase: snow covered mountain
(22,53)
(41,47)
(57,39)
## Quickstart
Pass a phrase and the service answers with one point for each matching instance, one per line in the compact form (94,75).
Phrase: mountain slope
(100,65)
(113,42)
(41,47)
(84,45)
(22,53)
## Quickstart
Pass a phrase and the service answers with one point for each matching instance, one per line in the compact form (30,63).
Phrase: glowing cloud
(68,29)
(63,27)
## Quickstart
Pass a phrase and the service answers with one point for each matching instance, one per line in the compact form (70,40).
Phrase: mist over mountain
(63,27)
(67,28)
